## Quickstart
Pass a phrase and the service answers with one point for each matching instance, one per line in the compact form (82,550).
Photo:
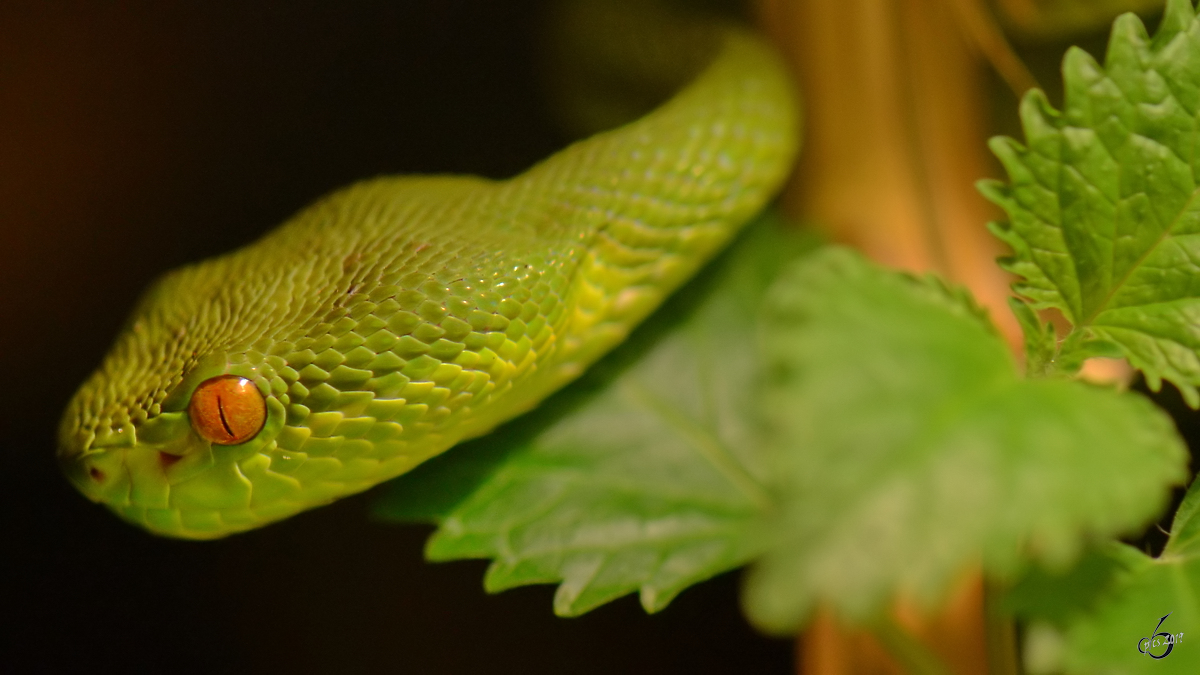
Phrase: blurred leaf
(1057,18)
(1102,203)
(1057,596)
(909,448)
(646,475)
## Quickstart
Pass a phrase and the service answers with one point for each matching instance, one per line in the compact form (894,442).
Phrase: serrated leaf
(1103,207)
(1106,638)
(643,476)
(1041,344)
(909,448)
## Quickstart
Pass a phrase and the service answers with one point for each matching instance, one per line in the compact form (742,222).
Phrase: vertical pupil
(221,412)
(227,410)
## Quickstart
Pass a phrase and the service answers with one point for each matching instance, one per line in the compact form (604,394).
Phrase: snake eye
(227,410)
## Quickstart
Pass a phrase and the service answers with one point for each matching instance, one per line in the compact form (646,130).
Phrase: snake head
(179,472)
(159,433)
(297,370)
(173,429)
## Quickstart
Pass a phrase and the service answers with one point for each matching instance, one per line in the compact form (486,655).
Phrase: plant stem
(908,651)
(1001,633)
(895,136)
(895,105)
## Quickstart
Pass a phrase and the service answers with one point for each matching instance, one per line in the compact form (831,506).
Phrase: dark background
(138,136)
(141,135)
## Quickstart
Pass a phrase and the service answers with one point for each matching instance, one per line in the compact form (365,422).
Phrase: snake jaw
(176,493)
(136,469)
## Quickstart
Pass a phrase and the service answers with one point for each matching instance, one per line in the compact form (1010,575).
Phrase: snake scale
(396,317)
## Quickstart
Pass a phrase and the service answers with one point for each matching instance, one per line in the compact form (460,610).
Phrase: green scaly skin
(399,316)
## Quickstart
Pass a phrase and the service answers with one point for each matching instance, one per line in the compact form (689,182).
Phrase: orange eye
(227,410)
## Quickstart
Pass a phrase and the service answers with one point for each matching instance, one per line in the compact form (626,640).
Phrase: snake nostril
(96,474)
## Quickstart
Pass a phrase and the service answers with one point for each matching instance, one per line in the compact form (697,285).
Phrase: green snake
(396,317)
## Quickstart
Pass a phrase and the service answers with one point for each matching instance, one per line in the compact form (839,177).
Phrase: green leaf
(1103,207)
(646,475)
(1058,596)
(1105,640)
(909,449)
(1041,344)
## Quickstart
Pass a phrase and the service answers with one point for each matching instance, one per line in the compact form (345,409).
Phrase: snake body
(400,315)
